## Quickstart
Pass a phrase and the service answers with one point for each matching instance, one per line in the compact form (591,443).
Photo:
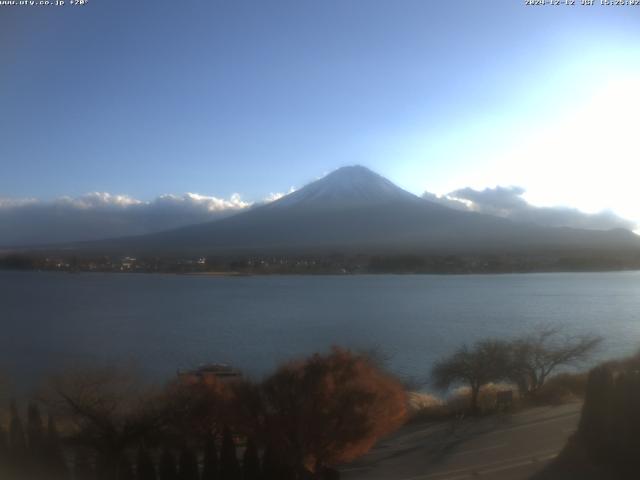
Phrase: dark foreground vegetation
(298,423)
(301,422)
(327,263)
(606,445)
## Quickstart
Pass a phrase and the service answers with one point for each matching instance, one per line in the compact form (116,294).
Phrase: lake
(51,321)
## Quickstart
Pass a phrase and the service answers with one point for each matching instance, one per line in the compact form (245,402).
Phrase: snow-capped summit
(348,186)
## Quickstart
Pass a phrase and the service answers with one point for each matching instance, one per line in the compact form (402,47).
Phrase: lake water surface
(51,321)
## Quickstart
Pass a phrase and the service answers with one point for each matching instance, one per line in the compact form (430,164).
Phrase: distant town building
(127,263)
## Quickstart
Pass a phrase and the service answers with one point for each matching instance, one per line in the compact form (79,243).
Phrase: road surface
(500,447)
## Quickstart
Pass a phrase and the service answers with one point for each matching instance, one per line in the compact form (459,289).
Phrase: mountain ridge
(356,210)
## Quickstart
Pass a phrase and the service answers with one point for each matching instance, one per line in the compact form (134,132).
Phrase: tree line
(301,422)
(526,361)
(31,451)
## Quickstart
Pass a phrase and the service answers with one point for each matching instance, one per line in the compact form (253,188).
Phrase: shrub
(330,408)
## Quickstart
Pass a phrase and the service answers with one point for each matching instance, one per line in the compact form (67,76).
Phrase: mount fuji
(354,210)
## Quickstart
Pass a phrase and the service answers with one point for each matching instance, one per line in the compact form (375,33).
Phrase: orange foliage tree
(329,409)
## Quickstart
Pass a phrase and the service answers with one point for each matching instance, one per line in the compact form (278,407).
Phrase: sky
(140,100)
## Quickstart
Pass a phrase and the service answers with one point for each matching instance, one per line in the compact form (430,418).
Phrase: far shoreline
(235,274)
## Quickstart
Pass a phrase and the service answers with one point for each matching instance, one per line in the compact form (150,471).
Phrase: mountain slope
(355,210)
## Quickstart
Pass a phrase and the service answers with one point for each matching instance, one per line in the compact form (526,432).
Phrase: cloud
(195,201)
(272,197)
(99,215)
(456,204)
(97,200)
(508,202)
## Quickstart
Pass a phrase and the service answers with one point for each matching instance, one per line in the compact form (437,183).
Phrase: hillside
(356,210)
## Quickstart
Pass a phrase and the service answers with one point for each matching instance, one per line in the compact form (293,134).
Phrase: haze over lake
(52,321)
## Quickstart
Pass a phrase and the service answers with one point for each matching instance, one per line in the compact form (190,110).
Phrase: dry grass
(427,407)
(421,401)
(459,401)
(558,390)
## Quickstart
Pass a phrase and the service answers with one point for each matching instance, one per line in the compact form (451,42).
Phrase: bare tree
(536,355)
(474,367)
(109,412)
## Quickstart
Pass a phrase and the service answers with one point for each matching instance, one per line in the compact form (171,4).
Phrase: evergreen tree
(17,440)
(168,470)
(229,467)
(269,465)
(210,466)
(54,458)
(273,468)
(4,453)
(83,468)
(251,462)
(594,421)
(35,431)
(125,470)
(17,443)
(144,466)
(609,429)
(188,465)
(106,466)
(35,441)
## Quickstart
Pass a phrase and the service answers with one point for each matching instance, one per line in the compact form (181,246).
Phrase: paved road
(501,447)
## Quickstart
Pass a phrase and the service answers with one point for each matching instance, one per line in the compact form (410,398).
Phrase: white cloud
(97,200)
(98,215)
(208,203)
(584,154)
(587,157)
(509,202)
(272,197)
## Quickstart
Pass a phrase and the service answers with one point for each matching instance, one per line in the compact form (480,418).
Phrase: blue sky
(216,97)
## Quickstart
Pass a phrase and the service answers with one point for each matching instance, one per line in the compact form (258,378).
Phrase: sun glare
(588,157)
